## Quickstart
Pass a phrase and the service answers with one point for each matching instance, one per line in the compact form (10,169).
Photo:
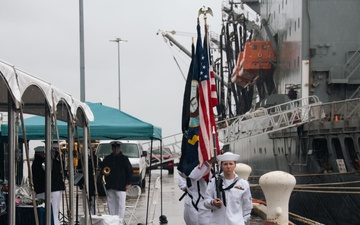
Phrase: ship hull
(325,160)
(317,53)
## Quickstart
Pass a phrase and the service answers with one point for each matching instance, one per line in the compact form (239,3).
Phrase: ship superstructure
(301,116)
(288,75)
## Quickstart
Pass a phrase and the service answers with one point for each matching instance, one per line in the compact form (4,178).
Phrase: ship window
(290,31)
(349,145)
(295,27)
(254,150)
(298,61)
(337,147)
(260,150)
(278,150)
(282,150)
(265,150)
(321,153)
(299,22)
(274,15)
(254,47)
(264,47)
(274,151)
(283,4)
(279,9)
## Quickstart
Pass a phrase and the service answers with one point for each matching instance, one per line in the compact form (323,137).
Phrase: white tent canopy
(22,93)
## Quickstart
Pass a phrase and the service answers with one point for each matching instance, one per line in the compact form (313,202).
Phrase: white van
(134,151)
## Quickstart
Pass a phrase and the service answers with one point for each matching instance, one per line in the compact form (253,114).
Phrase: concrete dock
(171,207)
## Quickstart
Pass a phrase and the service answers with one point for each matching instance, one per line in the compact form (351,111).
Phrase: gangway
(269,120)
(261,121)
(280,117)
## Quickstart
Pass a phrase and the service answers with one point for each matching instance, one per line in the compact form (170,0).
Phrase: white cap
(115,143)
(39,149)
(228,156)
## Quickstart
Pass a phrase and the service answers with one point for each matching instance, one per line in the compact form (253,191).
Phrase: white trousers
(55,203)
(191,216)
(194,217)
(116,202)
(55,200)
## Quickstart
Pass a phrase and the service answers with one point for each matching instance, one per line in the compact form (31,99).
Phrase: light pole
(119,40)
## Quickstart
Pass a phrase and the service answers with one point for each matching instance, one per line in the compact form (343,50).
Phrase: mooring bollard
(243,170)
(277,187)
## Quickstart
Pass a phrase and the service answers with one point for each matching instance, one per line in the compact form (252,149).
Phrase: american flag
(207,101)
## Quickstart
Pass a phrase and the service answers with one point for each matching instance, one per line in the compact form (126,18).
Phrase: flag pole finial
(205,10)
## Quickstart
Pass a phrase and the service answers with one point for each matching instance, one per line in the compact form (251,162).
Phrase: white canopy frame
(21,92)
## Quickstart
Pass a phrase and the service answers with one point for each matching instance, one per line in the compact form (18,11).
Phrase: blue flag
(190,120)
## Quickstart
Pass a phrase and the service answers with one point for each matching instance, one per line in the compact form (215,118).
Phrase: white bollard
(277,187)
(243,170)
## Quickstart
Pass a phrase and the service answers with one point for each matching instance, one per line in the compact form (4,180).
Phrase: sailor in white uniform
(234,205)
(195,186)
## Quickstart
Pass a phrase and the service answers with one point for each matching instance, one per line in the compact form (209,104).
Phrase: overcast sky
(42,38)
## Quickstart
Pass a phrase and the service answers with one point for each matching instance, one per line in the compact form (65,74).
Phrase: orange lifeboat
(255,60)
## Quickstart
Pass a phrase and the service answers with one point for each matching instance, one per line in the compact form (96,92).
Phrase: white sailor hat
(228,156)
(39,149)
(55,145)
(115,143)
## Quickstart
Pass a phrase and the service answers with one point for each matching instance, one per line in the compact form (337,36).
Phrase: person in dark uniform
(39,179)
(117,170)
(91,184)
(38,172)
(57,183)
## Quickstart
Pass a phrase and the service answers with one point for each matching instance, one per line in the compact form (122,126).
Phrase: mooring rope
(319,188)
(303,219)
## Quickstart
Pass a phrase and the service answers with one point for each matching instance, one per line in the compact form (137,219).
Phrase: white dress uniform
(238,202)
(195,197)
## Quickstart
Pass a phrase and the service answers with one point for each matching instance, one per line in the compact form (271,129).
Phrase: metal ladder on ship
(261,121)
(271,119)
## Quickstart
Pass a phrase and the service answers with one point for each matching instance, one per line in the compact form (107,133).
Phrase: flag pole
(204,11)
(216,167)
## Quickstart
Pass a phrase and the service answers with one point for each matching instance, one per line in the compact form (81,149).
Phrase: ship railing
(173,142)
(340,116)
(276,118)
(341,110)
(271,119)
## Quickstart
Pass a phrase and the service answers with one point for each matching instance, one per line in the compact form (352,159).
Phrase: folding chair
(132,193)
(154,199)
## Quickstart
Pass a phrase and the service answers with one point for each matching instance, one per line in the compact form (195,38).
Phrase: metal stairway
(351,67)
(271,119)
(352,64)
(261,121)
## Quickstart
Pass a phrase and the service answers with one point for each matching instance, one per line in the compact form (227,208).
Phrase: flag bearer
(234,205)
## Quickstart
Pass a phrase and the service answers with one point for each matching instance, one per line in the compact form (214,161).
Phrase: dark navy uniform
(118,180)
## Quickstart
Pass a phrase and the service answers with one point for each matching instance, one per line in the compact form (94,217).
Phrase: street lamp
(119,40)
